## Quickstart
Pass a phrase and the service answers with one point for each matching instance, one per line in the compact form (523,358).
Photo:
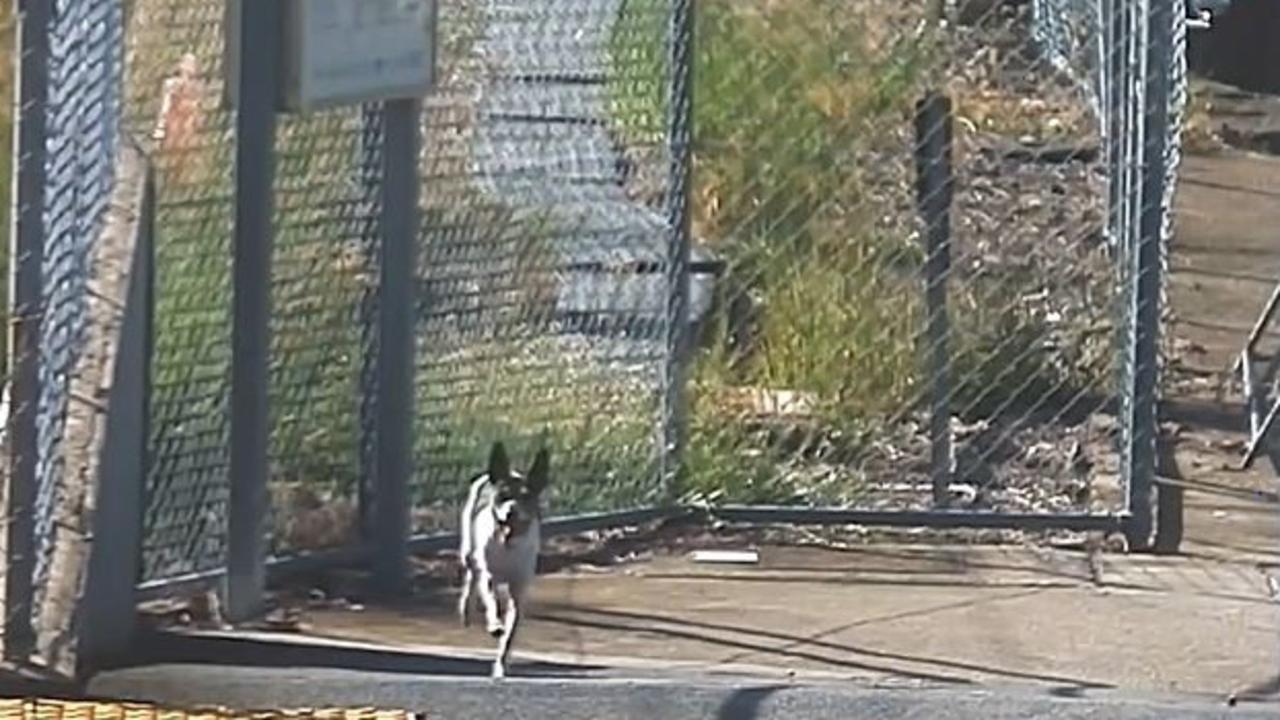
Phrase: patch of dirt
(1243,120)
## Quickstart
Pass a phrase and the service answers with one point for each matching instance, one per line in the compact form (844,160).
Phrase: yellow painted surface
(41,709)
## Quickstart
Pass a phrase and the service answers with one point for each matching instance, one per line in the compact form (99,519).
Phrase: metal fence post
(259,32)
(1170,498)
(26,311)
(1112,70)
(369,180)
(933,197)
(679,179)
(395,353)
(1147,270)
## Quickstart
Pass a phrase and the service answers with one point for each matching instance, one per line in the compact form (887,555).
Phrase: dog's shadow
(160,647)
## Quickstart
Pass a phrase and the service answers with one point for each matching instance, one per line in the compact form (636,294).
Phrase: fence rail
(880,263)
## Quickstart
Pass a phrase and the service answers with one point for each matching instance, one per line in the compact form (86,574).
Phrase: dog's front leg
(489,598)
(511,621)
(464,600)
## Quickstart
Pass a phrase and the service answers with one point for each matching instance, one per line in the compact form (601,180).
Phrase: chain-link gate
(1002,397)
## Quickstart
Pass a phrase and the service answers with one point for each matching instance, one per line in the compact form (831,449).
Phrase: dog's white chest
(514,561)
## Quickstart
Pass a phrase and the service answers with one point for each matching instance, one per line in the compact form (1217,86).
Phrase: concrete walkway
(949,616)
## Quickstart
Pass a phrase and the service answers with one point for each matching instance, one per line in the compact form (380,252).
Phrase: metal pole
(1147,279)
(933,196)
(26,310)
(259,31)
(679,181)
(395,356)
(369,179)
(1113,42)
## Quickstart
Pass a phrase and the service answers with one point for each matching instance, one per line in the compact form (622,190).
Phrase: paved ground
(937,615)
(647,699)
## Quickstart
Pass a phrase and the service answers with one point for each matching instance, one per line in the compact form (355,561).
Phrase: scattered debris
(1234,444)
(284,619)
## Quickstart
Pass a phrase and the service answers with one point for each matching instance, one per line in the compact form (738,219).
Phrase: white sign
(353,51)
(343,52)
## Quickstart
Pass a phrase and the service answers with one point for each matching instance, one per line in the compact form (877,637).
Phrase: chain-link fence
(66,157)
(903,272)
(321,277)
(544,248)
(172,88)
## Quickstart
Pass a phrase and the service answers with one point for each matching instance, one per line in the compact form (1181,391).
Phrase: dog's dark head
(517,500)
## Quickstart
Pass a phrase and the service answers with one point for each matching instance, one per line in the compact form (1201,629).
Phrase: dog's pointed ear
(540,473)
(499,464)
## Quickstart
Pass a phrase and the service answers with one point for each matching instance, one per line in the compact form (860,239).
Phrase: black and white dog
(500,537)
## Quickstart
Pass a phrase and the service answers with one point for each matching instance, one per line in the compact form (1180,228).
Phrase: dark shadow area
(1238,329)
(1205,415)
(1257,506)
(702,632)
(15,683)
(159,647)
(955,561)
(1206,487)
(751,647)
(1192,270)
(945,561)
(1026,586)
(1170,505)
(1266,689)
(1236,547)
(1070,692)
(1240,47)
(745,704)
(815,577)
(1190,179)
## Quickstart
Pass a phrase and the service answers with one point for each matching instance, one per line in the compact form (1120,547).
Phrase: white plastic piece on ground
(737,557)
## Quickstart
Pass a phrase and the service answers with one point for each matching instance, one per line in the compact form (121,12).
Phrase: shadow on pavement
(744,704)
(767,642)
(176,648)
